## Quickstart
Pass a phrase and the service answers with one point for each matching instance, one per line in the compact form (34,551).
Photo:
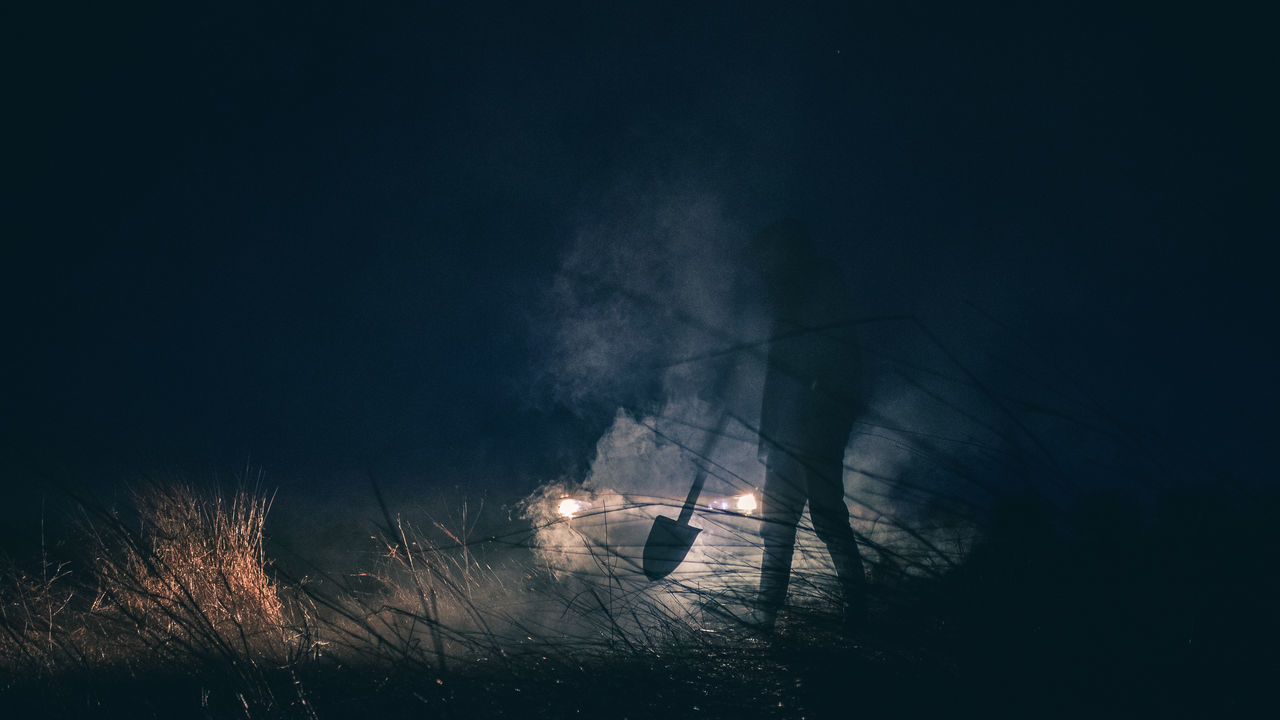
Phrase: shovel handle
(691,502)
(686,512)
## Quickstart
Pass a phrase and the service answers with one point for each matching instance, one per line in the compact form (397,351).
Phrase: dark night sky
(318,238)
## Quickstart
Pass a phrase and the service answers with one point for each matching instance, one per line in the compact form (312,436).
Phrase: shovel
(669,540)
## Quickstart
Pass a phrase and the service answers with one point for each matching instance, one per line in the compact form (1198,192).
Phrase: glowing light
(569,506)
(745,504)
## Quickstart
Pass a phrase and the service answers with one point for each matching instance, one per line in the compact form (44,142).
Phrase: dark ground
(1172,618)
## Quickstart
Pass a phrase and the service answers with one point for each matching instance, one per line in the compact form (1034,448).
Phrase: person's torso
(811,385)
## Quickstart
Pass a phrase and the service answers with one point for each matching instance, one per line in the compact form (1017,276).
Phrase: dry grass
(428,599)
(33,610)
(194,575)
(181,587)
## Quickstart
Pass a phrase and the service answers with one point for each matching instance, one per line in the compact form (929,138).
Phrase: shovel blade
(669,541)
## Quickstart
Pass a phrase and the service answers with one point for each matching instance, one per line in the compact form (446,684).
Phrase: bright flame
(568,507)
(747,503)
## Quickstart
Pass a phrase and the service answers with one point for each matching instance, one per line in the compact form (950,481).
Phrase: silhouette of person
(808,409)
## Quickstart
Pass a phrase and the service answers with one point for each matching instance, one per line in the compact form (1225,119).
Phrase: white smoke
(653,284)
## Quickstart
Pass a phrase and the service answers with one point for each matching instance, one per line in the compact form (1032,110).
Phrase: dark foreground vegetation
(1109,606)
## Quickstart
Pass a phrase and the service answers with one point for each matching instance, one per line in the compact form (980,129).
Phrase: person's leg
(830,516)
(782,505)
